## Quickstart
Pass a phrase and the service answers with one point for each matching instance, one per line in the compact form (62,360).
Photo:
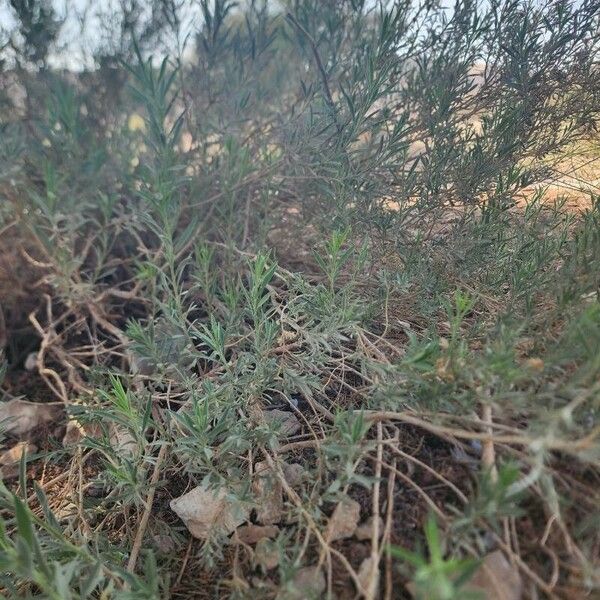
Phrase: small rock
(10,459)
(293,473)
(205,511)
(19,416)
(266,554)
(368,577)
(13,455)
(268,494)
(308,584)
(250,534)
(365,530)
(285,421)
(344,520)
(122,440)
(496,579)
(31,361)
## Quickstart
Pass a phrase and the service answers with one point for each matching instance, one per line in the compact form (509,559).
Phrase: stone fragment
(268,493)
(206,511)
(251,534)
(344,520)
(365,530)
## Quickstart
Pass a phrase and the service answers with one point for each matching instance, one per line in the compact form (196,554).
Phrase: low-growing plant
(436,577)
(306,255)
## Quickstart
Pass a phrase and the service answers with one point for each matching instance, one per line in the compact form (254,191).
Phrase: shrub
(340,231)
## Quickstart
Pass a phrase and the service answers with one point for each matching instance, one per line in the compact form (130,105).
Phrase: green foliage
(38,557)
(495,499)
(436,577)
(324,208)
